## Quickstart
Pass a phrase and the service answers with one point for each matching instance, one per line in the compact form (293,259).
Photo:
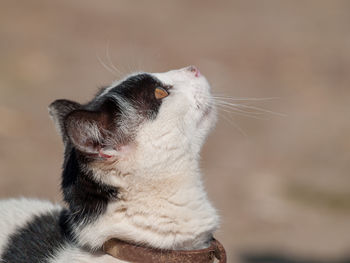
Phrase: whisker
(240,110)
(235,111)
(262,110)
(257,110)
(236,107)
(105,66)
(110,61)
(243,98)
(230,121)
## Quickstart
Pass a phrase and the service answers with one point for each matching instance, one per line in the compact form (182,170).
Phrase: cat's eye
(160,93)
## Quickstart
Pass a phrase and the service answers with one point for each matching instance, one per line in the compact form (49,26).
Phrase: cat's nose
(194,70)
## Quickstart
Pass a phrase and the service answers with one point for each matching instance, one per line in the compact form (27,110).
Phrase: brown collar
(139,254)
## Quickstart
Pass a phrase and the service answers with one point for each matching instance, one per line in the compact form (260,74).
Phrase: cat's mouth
(206,113)
(207,110)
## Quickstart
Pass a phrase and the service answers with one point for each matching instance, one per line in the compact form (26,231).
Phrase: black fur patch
(138,91)
(86,198)
(37,240)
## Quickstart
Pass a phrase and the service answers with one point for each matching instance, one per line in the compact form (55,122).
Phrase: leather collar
(139,254)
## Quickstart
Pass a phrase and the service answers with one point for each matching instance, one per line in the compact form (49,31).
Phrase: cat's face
(144,123)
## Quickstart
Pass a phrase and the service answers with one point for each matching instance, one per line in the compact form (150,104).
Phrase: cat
(130,172)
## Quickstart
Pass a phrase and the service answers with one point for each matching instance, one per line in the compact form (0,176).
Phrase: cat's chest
(158,223)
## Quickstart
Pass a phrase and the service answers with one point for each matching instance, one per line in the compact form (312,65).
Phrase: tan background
(281,184)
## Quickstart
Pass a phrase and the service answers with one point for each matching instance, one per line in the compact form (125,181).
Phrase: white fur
(162,200)
(77,255)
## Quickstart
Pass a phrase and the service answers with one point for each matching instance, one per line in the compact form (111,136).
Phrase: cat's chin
(207,113)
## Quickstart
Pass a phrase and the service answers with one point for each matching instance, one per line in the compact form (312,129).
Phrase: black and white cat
(130,172)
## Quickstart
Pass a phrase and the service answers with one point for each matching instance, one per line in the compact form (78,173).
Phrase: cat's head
(148,122)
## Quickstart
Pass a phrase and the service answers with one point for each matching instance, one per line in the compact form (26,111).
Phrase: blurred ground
(281,184)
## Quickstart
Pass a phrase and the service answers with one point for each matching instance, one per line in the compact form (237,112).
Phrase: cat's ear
(93,132)
(58,110)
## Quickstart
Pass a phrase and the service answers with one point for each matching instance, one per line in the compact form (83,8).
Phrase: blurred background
(280,183)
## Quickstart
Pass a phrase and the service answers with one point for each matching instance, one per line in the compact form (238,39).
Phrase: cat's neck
(170,211)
